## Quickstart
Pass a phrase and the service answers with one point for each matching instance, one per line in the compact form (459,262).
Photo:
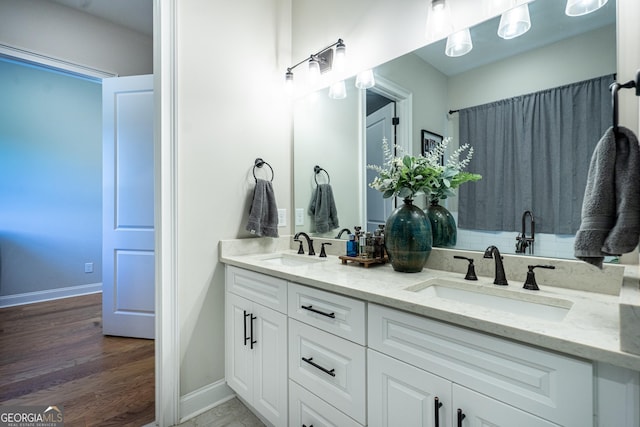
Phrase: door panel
(128,281)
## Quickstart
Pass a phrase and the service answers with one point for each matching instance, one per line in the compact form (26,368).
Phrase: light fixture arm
(316,55)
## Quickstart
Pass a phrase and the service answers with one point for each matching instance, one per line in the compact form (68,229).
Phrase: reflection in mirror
(553,53)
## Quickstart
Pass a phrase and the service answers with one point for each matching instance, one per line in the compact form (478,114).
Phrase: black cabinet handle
(246,338)
(310,308)
(436,409)
(315,365)
(461,417)
(252,340)
(310,425)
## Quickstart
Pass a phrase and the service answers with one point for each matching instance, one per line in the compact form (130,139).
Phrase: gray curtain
(533,153)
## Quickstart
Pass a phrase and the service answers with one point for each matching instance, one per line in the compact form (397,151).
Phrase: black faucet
(493,252)
(309,241)
(522,241)
(344,230)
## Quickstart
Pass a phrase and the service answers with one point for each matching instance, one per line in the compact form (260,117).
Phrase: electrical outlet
(88,267)
(299,216)
(282,217)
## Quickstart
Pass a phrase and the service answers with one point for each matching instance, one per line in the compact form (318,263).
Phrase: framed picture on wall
(429,142)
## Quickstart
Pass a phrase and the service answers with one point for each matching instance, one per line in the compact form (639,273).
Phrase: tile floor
(230,414)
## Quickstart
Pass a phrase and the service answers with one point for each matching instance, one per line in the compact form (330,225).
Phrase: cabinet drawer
(266,290)
(307,409)
(333,368)
(553,386)
(340,315)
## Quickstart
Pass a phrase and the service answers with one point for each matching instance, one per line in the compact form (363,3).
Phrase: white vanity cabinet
(491,380)
(327,359)
(256,342)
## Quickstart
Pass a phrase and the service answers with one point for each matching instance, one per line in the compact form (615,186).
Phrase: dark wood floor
(54,353)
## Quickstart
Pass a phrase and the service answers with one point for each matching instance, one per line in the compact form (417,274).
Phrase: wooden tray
(363,261)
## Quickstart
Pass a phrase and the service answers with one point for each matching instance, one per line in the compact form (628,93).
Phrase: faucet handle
(300,248)
(323,254)
(471,271)
(530,283)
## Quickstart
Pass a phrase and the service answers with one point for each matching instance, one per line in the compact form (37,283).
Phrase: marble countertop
(590,329)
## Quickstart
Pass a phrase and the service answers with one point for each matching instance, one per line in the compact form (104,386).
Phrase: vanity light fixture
(319,62)
(514,22)
(582,7)
(459,43)
(439,21)
(338,90)
(365,79)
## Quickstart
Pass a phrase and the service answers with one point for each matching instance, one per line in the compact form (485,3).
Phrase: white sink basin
(527,304)
(291,260)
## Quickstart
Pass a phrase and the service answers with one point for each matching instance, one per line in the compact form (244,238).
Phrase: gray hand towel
(322,208)
(611,205)
(263,214)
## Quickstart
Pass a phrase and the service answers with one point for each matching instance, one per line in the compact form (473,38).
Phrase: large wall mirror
(424,86)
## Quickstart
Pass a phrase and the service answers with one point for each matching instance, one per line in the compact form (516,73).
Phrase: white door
(128,259)
(379,125)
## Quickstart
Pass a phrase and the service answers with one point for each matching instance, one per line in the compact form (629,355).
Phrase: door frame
(404,109)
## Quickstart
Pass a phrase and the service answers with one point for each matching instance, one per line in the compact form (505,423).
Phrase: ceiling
(549,24)
(136,15)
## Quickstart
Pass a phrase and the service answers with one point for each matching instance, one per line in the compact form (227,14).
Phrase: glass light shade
(338,90)
(314,70)
(439,20)
(288,82)
(340,58)
(459,43)
(582,7)
(514,22)
(365,79)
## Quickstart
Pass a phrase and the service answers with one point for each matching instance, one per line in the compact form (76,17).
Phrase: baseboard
(49,294)
(203,399)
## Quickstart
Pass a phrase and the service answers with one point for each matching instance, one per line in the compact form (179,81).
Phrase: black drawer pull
(252,340)
(436,407)
(310,308)
(310,425)
(246,338)
(461,417)
(315,365)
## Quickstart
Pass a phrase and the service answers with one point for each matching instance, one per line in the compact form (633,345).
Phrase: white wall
(65,33)
(232,108)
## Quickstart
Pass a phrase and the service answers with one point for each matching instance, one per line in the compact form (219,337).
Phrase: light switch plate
(282,217)
(299,216)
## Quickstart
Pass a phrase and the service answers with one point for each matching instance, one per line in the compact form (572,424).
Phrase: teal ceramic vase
(443,225)
(408,238)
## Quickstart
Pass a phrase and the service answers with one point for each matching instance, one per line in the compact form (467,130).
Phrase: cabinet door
(480,411)
(239,355)
(403,395)
(270,364)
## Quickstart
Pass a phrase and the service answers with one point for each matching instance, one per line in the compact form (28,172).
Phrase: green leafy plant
(406,176)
